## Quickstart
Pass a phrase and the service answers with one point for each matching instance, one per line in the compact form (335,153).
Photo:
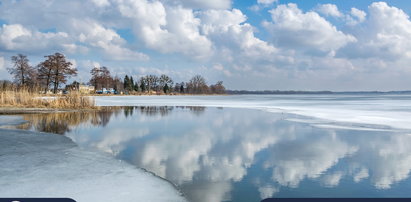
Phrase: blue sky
(253,45)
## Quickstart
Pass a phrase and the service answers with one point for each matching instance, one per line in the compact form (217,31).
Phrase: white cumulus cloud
(329,10)
(17,37)
(201,4)
(166,29)
(385,34)
(293,28)
(267,191)
(266,2)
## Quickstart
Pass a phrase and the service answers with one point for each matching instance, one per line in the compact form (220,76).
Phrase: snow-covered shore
(48,165)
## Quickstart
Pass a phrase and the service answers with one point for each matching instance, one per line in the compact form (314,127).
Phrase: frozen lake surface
(370,111)
(247,148)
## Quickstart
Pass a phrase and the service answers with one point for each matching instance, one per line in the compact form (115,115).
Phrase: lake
(250,147)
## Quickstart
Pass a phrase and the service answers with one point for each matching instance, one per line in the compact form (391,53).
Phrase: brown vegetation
(27,99)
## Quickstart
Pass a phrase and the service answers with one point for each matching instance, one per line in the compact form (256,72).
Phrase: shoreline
(41,156)
(30,110)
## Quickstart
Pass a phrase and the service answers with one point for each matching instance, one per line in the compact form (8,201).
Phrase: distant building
(86,89)
(106,91)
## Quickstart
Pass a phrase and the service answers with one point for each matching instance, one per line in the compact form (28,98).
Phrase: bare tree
(118,85)
(151,82)
(101,77)
(218,88)
(197,85)
(45,72)
(166,83)
(59,70)
(22,72)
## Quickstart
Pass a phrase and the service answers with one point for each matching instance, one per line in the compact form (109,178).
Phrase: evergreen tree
(182,87)
(143,84)
(126,82)
(136,87)
(166,88)
(131,84)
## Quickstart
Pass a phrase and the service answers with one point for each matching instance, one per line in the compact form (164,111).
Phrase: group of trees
(52,72)
(101,78)
(165,84)
(149,83)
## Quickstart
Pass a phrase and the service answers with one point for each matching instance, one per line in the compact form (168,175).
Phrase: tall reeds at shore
(27,99)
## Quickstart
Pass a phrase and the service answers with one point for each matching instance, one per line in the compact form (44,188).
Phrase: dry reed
(26,99)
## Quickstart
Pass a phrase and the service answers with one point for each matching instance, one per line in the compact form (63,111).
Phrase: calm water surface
(227,154)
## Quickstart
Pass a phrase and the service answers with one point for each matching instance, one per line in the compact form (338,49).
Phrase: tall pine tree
(126,82)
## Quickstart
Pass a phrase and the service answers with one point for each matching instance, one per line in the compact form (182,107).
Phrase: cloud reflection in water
(208,151)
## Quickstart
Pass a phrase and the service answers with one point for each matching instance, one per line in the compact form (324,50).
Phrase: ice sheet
(47,165)
(10,120)
(389,111)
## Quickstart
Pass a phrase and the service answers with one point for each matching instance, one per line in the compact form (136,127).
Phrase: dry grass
(26,99)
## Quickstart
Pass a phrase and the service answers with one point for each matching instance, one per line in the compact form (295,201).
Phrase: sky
(252,45)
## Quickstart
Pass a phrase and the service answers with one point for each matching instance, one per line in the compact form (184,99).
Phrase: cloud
(15,37)
(392,161)
(297,160)
(267,191)
(266,2)
(261,4)
(360,175)
(107,40)
(386,34)
(293,49)
(101,3)
(221,68)
(332,180)
(76,32)
(358,14)
(208,192)
(354,17)
(233,37)
(292,28)
(199,157)
(2,64)
(166,29)
(200,4)
(329,10)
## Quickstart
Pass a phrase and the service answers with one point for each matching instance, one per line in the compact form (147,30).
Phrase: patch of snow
(46,165)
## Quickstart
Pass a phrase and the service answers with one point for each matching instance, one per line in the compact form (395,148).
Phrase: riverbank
(47,165)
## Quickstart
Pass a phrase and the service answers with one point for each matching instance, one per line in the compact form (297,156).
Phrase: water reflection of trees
(161,110)
(60,123)
(128,111)
(197,110)
(156,110)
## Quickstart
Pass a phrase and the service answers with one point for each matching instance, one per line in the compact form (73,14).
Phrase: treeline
(54,71)
(163,84)
(49,74)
